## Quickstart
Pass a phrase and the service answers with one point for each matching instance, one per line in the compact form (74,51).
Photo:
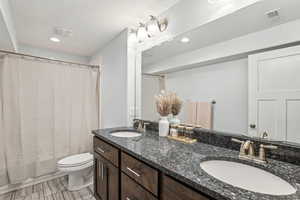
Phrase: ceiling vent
(273,13)
(62,32)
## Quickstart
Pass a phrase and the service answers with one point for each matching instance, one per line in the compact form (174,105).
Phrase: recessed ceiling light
(185,40)
(54,39)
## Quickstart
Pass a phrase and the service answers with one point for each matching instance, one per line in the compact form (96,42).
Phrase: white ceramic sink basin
(126,134)
(247,177)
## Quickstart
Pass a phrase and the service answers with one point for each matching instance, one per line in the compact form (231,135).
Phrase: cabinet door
(106,179)
(100,179)
(112,174)
(173,190)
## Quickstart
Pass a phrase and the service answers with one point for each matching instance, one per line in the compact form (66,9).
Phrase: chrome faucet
(142,126)
(247,151)
(262,152)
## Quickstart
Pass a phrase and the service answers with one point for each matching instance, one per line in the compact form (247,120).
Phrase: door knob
(253,126)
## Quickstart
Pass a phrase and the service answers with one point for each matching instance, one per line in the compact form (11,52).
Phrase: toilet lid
(76,160)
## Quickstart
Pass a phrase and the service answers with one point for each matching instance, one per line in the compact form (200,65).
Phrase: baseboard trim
(30,182)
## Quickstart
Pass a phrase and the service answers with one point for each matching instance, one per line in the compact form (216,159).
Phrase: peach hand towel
(204,115)
(191,112)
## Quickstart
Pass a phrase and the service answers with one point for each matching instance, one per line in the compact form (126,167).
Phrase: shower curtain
(48,110)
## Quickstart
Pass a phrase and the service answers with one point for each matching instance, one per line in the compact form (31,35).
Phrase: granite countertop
(182,162)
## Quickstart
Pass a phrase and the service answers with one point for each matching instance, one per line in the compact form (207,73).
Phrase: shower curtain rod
(157,75)
(49,59)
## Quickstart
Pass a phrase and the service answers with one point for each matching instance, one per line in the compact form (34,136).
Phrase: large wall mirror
(242,81)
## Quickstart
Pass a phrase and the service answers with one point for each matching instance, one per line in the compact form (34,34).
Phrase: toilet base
(78,180)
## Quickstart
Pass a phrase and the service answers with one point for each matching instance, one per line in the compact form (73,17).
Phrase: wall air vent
(273,13)
(62,32)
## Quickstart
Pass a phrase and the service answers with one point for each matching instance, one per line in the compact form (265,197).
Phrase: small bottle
(189,131)
(173,131)
(180,130)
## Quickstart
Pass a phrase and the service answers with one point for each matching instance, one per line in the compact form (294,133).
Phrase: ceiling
(5,43)
(93,22)
(250,19)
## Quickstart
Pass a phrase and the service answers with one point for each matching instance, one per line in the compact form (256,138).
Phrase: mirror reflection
(241,80)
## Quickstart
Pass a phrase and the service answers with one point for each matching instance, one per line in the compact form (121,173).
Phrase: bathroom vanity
(149,167)
(119,175)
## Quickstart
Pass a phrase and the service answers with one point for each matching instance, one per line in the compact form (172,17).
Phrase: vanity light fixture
(150,29)
(142,34)
(153,26)
(185,40)
(54,39)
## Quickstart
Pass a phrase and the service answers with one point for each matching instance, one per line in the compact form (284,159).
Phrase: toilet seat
(75,160)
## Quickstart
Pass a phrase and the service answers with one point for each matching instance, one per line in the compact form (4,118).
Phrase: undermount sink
(247,177)
(126,134)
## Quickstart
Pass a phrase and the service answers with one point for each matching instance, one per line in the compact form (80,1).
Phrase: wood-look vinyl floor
(55,189)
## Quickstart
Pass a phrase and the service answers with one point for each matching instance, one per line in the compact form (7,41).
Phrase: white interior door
(274,94)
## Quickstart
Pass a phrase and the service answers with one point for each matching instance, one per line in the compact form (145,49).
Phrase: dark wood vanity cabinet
(173,190)
(121,176)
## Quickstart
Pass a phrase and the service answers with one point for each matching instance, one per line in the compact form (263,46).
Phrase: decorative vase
(163,127)
(174,120)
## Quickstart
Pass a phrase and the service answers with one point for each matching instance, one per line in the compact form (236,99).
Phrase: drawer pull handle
(132,171)
(100,150)
(100,169)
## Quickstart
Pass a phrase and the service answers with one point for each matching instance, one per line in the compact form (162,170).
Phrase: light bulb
(142,33)
(153,27)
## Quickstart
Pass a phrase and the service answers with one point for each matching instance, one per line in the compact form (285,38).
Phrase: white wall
(52,54)
(224,82)
(113,61)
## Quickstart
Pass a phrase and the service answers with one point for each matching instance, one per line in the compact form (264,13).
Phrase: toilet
(79,168)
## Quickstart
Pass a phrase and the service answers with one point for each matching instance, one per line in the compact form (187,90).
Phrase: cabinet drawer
(132,191)
(140,172)
(107,151)
(173,190)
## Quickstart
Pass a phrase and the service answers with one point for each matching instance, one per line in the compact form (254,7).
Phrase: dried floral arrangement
(163,104)
(176,104)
